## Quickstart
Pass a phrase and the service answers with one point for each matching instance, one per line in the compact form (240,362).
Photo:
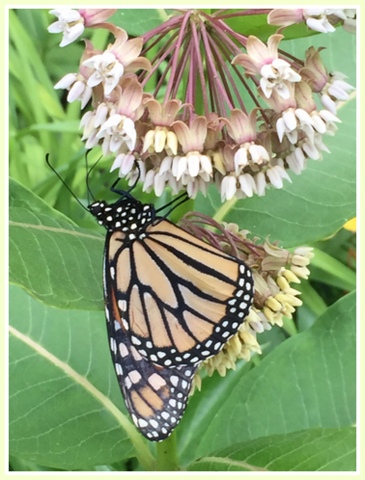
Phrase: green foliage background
(291,409)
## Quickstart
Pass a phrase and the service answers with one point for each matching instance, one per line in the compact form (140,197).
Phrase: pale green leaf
(307,382)
(314,450)
(51,257)
(66,409)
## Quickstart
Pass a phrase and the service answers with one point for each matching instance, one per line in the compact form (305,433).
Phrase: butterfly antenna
(89,191)
(137,179)
(63,181)
(176,202)
(126,193)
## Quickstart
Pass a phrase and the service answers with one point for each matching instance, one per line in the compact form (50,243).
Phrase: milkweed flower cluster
(72,23)
(274,270)
(225,108)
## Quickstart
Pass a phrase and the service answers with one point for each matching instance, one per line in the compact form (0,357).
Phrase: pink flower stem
(181,68)
(215,77)
(190,54)
(162,78)
(225,32)
(298,63)
(157,40)
(158,59)
(227,45)
(228,76)
(242,13)
(199,64)
(176,54)
(163,29)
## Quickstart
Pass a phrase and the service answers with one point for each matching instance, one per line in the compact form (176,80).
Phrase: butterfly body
(171,301)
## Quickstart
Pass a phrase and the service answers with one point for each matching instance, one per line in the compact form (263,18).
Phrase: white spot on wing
(112,272)
(122,304)
(135,340)
(142,423)
(174,380)
(125,324)
(128,383)
(154,423)
(113,345)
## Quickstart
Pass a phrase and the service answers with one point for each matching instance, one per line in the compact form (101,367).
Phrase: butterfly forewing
(181,300)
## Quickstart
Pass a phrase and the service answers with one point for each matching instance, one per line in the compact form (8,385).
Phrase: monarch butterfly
(171,301)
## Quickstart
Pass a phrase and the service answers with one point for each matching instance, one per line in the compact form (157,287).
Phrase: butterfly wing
(180,299)
(155,396)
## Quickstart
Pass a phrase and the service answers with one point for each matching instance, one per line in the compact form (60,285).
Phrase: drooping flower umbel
(227,108)
(274,270)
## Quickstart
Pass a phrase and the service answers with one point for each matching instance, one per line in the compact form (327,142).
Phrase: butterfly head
(129,215)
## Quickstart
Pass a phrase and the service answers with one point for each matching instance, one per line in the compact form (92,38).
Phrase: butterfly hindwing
(155,396)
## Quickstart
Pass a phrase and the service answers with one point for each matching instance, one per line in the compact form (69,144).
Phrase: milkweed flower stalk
(193,102)
(274,270)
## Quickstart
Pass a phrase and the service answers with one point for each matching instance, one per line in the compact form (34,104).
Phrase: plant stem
(167,454)
(224,209)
